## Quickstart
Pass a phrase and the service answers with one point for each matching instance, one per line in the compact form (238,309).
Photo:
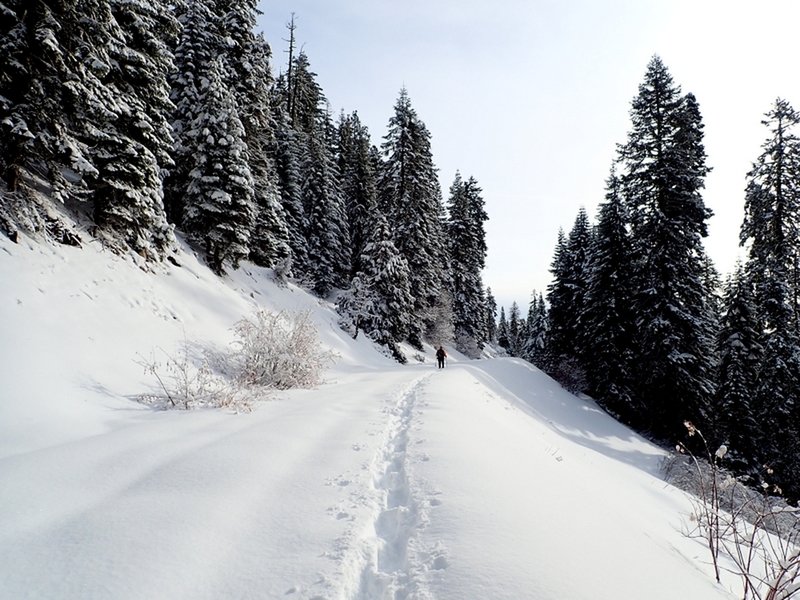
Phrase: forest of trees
(637,317)
(131,120)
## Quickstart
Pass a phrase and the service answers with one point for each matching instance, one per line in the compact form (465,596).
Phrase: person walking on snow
(440,356)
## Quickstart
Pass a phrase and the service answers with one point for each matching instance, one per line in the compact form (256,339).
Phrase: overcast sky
(531,97)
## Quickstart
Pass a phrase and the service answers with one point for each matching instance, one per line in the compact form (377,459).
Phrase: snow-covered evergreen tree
(379,300)
(307,96)
(219,208)
(287,155)
(608,331)
(740,351)
(37,141)
(411,199)
(45,89)
(490,310)
(515,330)
(82,99)
(196,50)
(534,348)
(269,244)
(467,248)
(502,330)
(772,219)
(248,65)
(128,134)
(566,298)
(358,178)
(770,228)
(663,167)
(328,235)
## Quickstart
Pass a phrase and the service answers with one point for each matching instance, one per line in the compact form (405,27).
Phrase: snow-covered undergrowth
(481,480)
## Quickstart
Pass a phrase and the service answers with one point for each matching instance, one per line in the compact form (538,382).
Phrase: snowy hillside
(481,481)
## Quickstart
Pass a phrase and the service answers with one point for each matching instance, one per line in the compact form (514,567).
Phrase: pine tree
(379,300)
(307,96)
(490,310)
(663,166)
(559,299)
(248,65)
(358,178)
(219,209)
(411,199)
(772,209)
(328,239)
(772,219)
(467,248)
(515,330)
(33,97)
(566,297)
(128,134)
(740,359)
(287,156)
(502,330)
(45,89)
(196,52)
(534,349)
(608,330)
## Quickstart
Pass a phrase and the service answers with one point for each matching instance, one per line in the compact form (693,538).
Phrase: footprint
(435,502)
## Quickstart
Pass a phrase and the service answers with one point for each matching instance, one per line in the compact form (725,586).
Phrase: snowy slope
(483,480)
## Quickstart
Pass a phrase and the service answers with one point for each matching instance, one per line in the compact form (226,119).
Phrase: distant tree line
(129,119)
(636,315)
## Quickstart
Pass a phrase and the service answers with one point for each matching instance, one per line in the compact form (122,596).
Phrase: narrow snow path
(390,571)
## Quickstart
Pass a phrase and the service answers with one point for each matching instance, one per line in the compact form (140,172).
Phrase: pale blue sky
(531,97)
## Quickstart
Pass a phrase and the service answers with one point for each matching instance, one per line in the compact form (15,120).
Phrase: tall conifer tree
(663,170)
(490,309)
(358,179)
(411,199)
(467,247)
(608,330)
(129,136)
(772,212)
(740,351)
(219,210)
(566,297)
(379,300)
(196,51)
(328,236)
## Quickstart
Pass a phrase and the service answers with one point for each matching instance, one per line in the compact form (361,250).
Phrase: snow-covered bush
(467,345)
(187,380)
(278,350)
(754,535)
(271,350)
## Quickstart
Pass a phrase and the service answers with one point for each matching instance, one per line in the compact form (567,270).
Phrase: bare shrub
(753,535)
(278,350)
(271,351)
(186,381)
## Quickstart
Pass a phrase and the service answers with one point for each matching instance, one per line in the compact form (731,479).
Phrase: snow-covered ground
(484,480)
